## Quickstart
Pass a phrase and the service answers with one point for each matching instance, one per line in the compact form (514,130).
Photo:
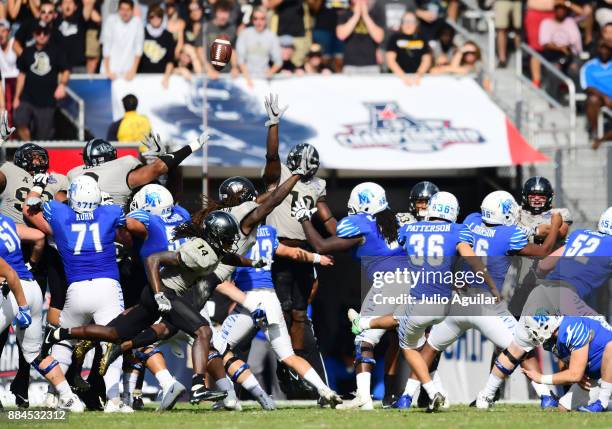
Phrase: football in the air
(220,52)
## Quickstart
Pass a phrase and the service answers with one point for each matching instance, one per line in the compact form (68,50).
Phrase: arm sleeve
(518,240)
(141,216)
(120,216)
(139,41)
(46,210)
(348,228)
(585,77)
(106,37)
(578,336)
(465,235)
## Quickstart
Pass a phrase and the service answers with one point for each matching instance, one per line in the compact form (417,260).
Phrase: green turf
(501,417)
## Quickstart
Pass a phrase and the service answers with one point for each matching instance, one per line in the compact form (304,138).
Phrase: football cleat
(51,399)
(78,383)
(171,395)
(200,393)
(595,407)
(436,402)
(403,402)
(229,403)
(81,349)
(71,403)
(361,402)
(112,352)
(388,401)
(137,403)
(21,394)
(266,402)
(354,319)
(548,401)
(484,402)
(331,398)
(117,406)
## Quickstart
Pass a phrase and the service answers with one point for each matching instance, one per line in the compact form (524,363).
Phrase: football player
(432,247)
(418,200)
(370,232)
(584,344)
(294,281)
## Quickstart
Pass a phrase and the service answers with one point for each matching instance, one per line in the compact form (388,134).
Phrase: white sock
(541,389)
(364,324)
(313,378)
(63,389)
(605,390)
(224,384)
(363,383)
(112,378)
(164,378)
(430,388)
(411,387)
(252,385)
(493,384)
(435,376)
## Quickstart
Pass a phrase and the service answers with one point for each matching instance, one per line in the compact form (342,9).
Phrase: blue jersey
(10,248)
(85,241)
(497,244)
(432,252)
(160,231)
(248,278)
(576,332)
(586,263)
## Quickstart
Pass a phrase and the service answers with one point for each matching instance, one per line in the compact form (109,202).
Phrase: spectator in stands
(290,20)
(596,80)
(362,32)
(391,12)
(606,33)
(175,25)
(43,75)
(24,34)
(537,11)
(92,36)
(430,14)
(72,25)
(508,14)
(324,32)
(158,48)
(222,24)
(122,42)
(9,51)
(22,11)
(287,51)
(188,63)
(133,127)
(408,54)
(443,46)
(603,12)
(257,47)
(560,38)
(467,61)
(314,61)
(194,26)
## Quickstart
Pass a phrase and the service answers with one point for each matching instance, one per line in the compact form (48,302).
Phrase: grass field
(501,417)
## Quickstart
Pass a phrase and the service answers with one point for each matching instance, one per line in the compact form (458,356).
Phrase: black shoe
(113,351)
(137,403)
(388,401)
(436,402)
(21,395)
(502,64)
(201,393)
(472,404)
(79,384)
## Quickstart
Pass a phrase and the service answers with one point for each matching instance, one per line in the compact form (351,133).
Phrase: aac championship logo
(390,127)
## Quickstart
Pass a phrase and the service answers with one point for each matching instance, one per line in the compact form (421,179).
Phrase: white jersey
(529,222)
(286,225)
(112,176)
(223,271)
(198,260)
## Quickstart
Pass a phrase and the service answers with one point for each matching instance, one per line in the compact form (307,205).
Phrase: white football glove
(163,304)
(301,211)
(154,146)
(201,141)
(273,110)
(5,131)
(39,182)
(106,199)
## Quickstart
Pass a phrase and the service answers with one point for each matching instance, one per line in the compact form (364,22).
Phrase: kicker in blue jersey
(248,278)
(85,241)
(10,248)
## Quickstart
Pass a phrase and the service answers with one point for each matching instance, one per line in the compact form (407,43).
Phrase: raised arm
(326,216)
(272,170)
(32,212)
(549,243)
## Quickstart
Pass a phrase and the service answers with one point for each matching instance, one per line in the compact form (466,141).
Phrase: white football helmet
(155,199)
(367,197)
(500,208)
(84,194)
(541,326)
(443,205)
(605,222)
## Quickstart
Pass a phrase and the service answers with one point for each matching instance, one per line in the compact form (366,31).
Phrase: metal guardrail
(571,87)
(79,120)
(603,112)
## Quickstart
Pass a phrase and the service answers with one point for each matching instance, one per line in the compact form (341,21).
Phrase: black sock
(64,333)
(197,379)
(145,338)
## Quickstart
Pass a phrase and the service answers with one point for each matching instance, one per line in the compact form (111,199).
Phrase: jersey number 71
(84,231)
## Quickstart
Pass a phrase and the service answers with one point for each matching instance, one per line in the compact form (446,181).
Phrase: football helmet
(221,232)
(537,185)
(499,208)
(443,205)
(367,197)
(306,155)
(237,190)
(605,222)
(84,194)
(32,158)
(421,191)
(541,326)
(155,199)
(97,152)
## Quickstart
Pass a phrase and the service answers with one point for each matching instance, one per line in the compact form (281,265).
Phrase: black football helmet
(237,190)
(537,185)
(311,155)
(32,158)
(221,232)
(97,152)
(421,191)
